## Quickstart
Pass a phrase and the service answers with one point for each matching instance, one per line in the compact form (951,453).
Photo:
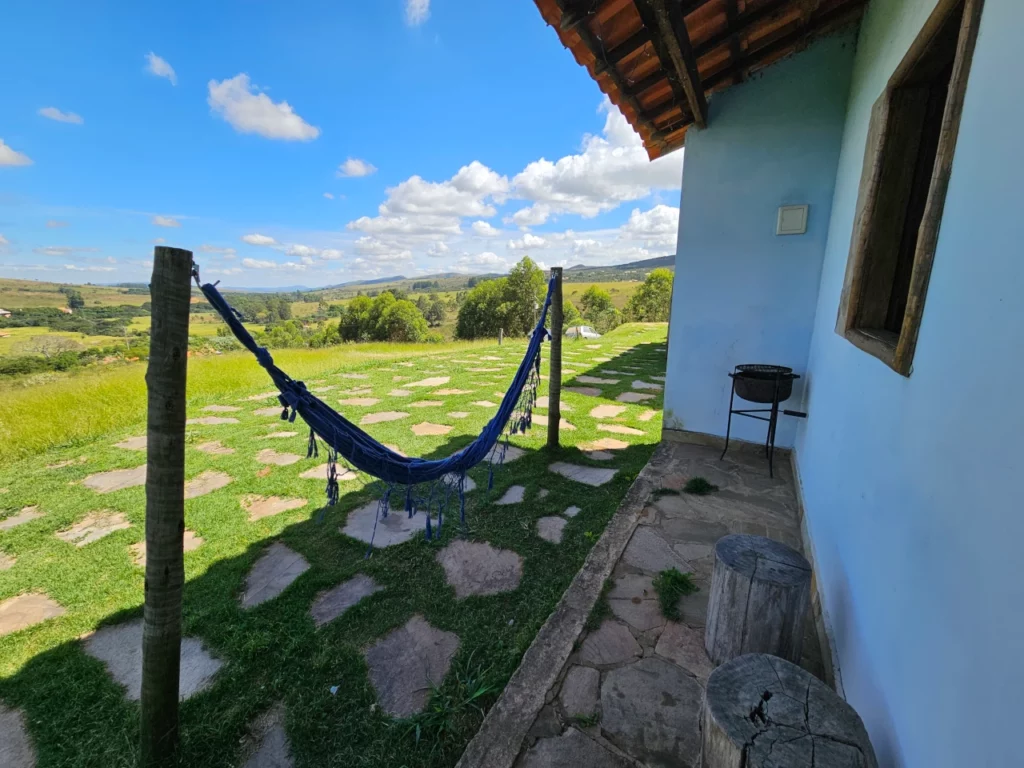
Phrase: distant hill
(636,270)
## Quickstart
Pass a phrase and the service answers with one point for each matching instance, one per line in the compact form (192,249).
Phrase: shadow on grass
(77,715)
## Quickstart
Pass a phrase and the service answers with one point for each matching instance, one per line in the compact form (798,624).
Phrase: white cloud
(438,249)
(55,224)
(61,117)
(610,170)
(382,251)
(308,252)
(9,156)
(354,168)
(657,228)
(226,271)
(484,229)
(328,195)
(527,241)
(159,240)
(416,12)
(533,216)
(467,193)
(89,268)
(4,241)
(62,250)
(408,226)
(166,221)
(226,253)
(249,110)
(480,262)
(159,67)
(257,239)
(287,266)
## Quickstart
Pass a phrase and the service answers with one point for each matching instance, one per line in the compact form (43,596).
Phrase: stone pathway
(222,409)
(637,680)
(272,411)
(215,448)
(190,542)
(119,647)
(133,443)
(26,515)
(320,473)
(634,397)
(267,745)
(279,435)
(16,750)
(542,421)
(332,603)
(270,456)
(93,527)
(595,380)
(607,411)
(210,421)
(271,575)
(426,404)
(206,482)
(7,561)
(426,428)
(407,662)
(619,429)
(22,611)
(550,529)
(383,416)
(477,568)
(259,507)
(396,528)
(116,480)
(589,391)
(362,402)
(594,476)
(434,381)
(513,495)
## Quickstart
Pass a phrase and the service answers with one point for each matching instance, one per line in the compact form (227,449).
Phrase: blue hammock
(442,478)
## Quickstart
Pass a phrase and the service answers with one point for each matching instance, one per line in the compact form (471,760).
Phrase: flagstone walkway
(631,691)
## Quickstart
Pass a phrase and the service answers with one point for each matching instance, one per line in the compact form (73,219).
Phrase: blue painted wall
(911,485)
(743,294)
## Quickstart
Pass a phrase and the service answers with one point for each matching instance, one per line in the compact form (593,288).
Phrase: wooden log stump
(760,593)
(763,712)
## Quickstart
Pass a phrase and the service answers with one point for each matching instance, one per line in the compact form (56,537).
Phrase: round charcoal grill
(759,383)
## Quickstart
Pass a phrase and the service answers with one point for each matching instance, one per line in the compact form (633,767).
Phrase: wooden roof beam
(671,24)
(647,11)
(742,24)
(603,66)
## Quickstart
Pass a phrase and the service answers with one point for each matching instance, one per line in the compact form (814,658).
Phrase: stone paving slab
(542,421)
(607,411)
(485,404)
(26,515)
(684,646)
(595,380)
(443,392)
(221,408)
(93,527)
(138,443)
(513,495)
(458,415)
(593,476)
(7,561)
(426,428)
(279,435)
(354,375)
(638,384)
(477,568)
(604,444)
(396,528)
(362,402)
(619,429)
(215,448)
(650,552)
(611,643)
(23,611)
(270,456)
(119,647)
(572,511)
(16,748)
(650,709)
(580,691)
(634,397)
(274,410)
(261,396)
(320,473)
(210,421)
(647,415)
(426,404)
(383,416)
(271,575)
(190,542)
(400,393)
(589,391)
(259,507)
(206,482)
(268,745)
(116,480)
(551,528)
(404,665)
(433,381)
(333,602)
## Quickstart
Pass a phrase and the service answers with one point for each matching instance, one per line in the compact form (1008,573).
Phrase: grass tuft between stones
(671,585)
(699,486)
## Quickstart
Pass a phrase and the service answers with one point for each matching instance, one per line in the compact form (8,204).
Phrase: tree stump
(763,712)
(760,593)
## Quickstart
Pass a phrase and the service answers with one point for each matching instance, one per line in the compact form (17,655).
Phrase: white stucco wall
(910,484)
(743,294)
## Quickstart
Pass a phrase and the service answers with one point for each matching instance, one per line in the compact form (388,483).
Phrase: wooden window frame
(897,351)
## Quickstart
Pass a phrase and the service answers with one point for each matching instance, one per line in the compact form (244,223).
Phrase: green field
(13,339)
(273,654)
(21,294)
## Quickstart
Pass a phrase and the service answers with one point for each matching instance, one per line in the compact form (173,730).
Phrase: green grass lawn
(77,715)
(13,339)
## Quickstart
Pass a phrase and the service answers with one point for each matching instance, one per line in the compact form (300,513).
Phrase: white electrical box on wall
(792,220)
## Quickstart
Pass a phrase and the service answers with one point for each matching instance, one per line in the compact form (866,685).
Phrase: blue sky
(312,143)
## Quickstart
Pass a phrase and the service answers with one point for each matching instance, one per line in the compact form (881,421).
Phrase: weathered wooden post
(501,335)
(170,293)
(760,593)
(760,710)
(555,369)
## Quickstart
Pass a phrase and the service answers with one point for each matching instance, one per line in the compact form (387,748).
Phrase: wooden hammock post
(555,368)
(170,292)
